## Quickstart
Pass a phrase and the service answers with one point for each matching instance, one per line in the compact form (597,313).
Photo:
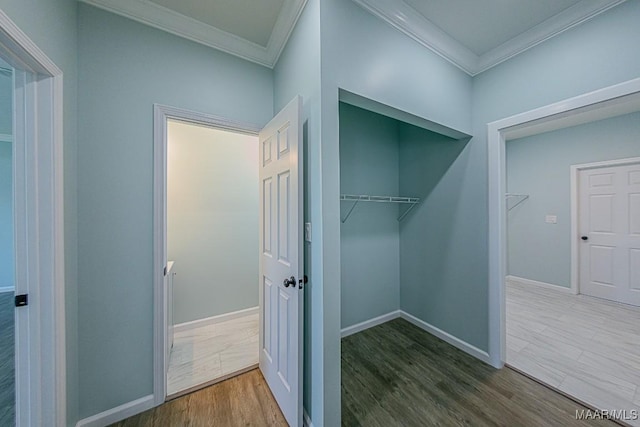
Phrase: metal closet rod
(356,198)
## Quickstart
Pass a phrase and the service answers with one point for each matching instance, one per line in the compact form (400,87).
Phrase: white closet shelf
(356,198)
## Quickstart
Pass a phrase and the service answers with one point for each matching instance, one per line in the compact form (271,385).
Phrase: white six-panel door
(281,293)
(609,224)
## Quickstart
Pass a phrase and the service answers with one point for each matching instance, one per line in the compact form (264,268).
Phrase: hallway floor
(212,353)
(586,347)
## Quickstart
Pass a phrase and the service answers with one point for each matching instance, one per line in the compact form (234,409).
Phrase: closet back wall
(370,240)
(212,220)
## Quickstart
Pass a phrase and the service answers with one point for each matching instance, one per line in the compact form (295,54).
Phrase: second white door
(609,227)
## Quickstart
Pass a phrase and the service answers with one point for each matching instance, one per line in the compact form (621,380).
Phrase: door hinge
(165,271)
(21,300)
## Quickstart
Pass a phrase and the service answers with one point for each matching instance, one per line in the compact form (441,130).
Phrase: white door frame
(161,114)
(39,229)
(575,214)
(594,105)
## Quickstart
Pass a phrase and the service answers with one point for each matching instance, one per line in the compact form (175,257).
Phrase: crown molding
(403,17)
(168,20)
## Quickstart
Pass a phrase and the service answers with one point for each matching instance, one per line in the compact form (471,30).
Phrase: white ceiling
(474,35)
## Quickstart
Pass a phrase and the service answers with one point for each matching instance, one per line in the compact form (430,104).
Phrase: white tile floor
(212,353)
(586,347)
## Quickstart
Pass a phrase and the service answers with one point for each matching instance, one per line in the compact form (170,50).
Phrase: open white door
(280,274)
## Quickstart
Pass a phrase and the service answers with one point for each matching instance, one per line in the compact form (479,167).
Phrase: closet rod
(356,198)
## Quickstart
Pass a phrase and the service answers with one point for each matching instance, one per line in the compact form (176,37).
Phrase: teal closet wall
(370,238)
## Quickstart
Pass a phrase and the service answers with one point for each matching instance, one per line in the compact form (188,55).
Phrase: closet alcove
(390,164)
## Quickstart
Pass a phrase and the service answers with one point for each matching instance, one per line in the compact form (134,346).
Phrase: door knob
(290,282)
(584,238)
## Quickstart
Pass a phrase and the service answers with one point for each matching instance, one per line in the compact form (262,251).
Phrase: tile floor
(212,353)
(586,347)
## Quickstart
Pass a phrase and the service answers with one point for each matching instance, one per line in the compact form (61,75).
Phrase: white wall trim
(186,326)
(6,289)
(41,395)
(118,413)
(168,20)
(306,420)
(354,329)
(447,337)
(162,114)
(575,211)
(403,17)
(497,133)
(539,284)
(6,137)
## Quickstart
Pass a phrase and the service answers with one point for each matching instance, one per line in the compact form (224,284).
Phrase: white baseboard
(540,284)
(180,327)
(6,289)
(118,413)
(354,329)
(306,421)
(456,342)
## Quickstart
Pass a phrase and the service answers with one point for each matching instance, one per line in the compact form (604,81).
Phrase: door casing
(162,114)
(41,393)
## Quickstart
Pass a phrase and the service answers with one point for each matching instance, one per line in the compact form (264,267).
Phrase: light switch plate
(307,231)
(551,219)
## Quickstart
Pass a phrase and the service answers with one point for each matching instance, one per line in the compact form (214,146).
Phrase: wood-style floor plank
(398,375)
(7,364)
(244,400)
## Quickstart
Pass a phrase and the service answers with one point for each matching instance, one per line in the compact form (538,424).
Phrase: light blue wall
(6,182)
(212,220)
(539,166)
(6,215)
(52,25)
(599,53)
(298,73)
(364,55)
(125,67)
(6,101)
(370,239)
(432,278)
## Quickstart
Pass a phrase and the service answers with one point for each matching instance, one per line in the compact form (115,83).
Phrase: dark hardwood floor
(244,400)
(7,366)
(392,375)
(396,374)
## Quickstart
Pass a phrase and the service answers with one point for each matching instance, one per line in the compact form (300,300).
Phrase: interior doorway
(212,249)
(36,204)
(552,330)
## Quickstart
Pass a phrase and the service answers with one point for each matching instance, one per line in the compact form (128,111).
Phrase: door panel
(281,302)
(609,218)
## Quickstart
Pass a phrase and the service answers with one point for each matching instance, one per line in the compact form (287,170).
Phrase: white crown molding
(409,21)
(568,18)
(168,20)
(403,17)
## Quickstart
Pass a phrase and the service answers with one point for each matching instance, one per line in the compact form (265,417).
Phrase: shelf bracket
(350,210)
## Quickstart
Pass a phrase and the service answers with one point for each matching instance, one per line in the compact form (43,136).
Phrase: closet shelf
(357,198)
(519,199)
